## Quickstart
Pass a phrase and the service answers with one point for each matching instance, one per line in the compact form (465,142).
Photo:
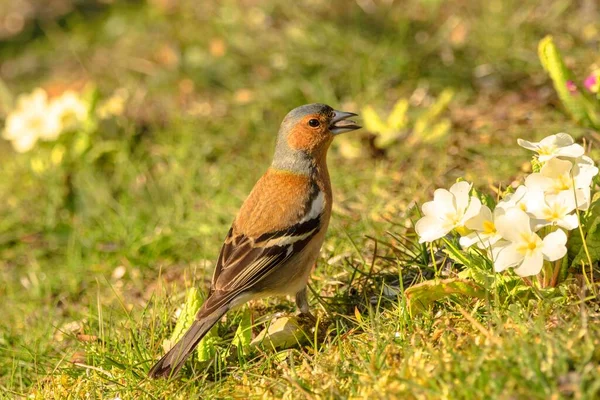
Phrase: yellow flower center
(489,228)
(562,182)
(36,124)
(462,231)
(546,150)
(454,218)
(529,244)
(554,213)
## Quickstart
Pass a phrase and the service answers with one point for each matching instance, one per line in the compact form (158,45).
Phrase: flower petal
(539,182)
(531,265)
(531,201)
(431,228)
(505,256)
(444,202)
(487,241)
(24,143)
(583,174)
(582,198)
(554,245)
(461,190)
(512,199)
(472,210)
(513,224)
(429,209)
(476,223)
(569,222)
(539,223)
(566,199)
(528,145)
(561,139)
(585,160)
(575,150)
(556,167)
(469,240)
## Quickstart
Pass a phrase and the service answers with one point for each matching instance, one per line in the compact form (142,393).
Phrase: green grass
(198,132)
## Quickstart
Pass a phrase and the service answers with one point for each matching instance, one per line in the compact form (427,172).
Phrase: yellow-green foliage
(577,104)
(243,334)
(421,296)
(282,333)
(587,252)
(188,314)
(206,349)
(426,128)
(387,132)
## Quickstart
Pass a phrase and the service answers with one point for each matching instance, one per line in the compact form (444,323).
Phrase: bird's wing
(248,254)
(244,262)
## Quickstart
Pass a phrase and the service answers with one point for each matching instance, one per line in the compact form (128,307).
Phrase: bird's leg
(302,303)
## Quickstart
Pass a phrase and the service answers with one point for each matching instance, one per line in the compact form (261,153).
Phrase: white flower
(70,110)
(555,177)
(485,233)
(30,120)
(557,209)
(523,248)
(448,210)
(522,198)
(584,169)
(559,145)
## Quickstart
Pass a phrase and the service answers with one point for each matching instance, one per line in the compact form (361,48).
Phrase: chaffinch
(275,239)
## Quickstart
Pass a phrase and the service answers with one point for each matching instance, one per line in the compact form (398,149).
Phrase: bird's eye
(314,123)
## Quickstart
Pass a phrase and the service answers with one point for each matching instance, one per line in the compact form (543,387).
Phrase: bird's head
(307,131)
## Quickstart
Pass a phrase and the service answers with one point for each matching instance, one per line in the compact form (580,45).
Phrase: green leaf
(438,132)
(188,314)
(441,104)
(6,99)
(372,121)
(206,349)
(186,317)
(397,118)
(421,296)
(422,125)
(281,334)
(591,231)
(577,104)
(564,270)
(455,254)
(536,165)
(243,334)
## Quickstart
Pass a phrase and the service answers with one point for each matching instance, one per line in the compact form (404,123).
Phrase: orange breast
(277,201)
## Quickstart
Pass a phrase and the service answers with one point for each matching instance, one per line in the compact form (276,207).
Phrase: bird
(276,237)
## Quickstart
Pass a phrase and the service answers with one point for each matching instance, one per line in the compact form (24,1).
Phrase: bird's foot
(308,316)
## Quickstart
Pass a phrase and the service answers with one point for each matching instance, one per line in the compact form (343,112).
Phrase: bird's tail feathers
(172,362)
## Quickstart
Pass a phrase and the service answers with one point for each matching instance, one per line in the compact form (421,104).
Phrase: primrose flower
(70,110)
(585,170)
(484,230)
(592,82)
(523,198)
(30,121)
(557,209)
(522,248)
(559,145)
(560,175)
(449,209)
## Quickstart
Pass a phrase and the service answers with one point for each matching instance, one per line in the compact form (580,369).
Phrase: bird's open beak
(340,122)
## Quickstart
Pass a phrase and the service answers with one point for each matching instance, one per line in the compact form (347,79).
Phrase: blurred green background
(92,244)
